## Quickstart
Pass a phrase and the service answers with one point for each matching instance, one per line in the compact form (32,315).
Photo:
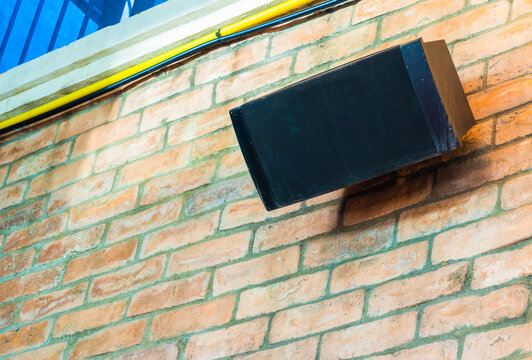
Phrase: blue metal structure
(31,28)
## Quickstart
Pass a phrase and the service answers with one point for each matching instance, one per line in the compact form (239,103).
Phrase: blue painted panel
(70,26)
(43,30)
(6,10)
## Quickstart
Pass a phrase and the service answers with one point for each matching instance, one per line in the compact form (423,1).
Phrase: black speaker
(354,122)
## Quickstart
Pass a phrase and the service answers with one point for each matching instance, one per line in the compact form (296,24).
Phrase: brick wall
(131,229)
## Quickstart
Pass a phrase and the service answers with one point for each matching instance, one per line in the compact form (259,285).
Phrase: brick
(15,263)
(26,145)
(193,318)
(472,172)
(37,163)
(156,91)
(250,211)
(22,215)
(169,294)
(301,350)
(159,352)
(211,253)
(127,279)
(218,194)
(105,341)
(311,31)
(297,228)
(334,48)
(510,65)
(7,314)
(103,208)
(71,244)
(178,182)
(23,337)
(202,124)
(53,303)
(271,298)
(478,137)
(143,221)
(3,174)
(233,340)
(146,168)
(514,125)
(229,63)
(499,343)
(231,164)
(391,198)
(367,338)
(472,77)
(30,284)
(416,290)
(256,271)
(100,261)
(501,97)
(90,119)
(492,42)
(521,7)
(252,80)
(502,304)
(443,214)
(36,232)
(130,150)
(436,351)
(466,24)
(517,192)
(499,268)
(51,352)
(177,107)
(214,143)
(90,318)
(378,268)
(347,244)
(60,176)
(81,191)
(368,9)
(12,195)
(495,232)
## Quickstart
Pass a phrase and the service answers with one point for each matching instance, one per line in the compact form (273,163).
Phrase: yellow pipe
(246,23)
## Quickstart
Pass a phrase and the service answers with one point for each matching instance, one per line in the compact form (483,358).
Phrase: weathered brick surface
(12,195)
(31,283)
(301,350)
(22,215)
(514,125)
(509,65)
(159,352)
(39,162)
(15,263)
(436,351)
(36,232)
(517,192)
(51,352)
(21,147)
(7,314)
(24,337)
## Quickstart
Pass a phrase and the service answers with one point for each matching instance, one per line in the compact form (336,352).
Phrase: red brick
(334,48)
(51,352)
(214,143)
(31,143)
(22,215)
(297,228)
(301,350)
(30,284)
(256,271)
(510,65)
(12,195)
(7,314)
(3,174)
(159,352)
(484,235)
(516,124)
(391,198)
(472,172)
(502,304)
(70,244)
(271,298)
(252,80)
(94,117)
(520,7)
(251,211)
(443,214)
(231,62)
(436,351)
(143,221)
(100,261)
(517,192)
(60,176)
(347,244)
(368,338)
(169,294)
(368,9)
(155,91)
(417,290)
(146,168)
(193,318)
(499,343)
(103,208)
(36,163)
(130,150)
(53,303)
(233,340)
(81,191)
(499,268)
(106,340)
(127,279)
(501,97)
(90,318)
(178,182)
(466,24)
(472,77)
(36,232)
(15,263)
(176,108)
(492,42)
(211,253)
(378,268)
(24,337)
(231,164)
